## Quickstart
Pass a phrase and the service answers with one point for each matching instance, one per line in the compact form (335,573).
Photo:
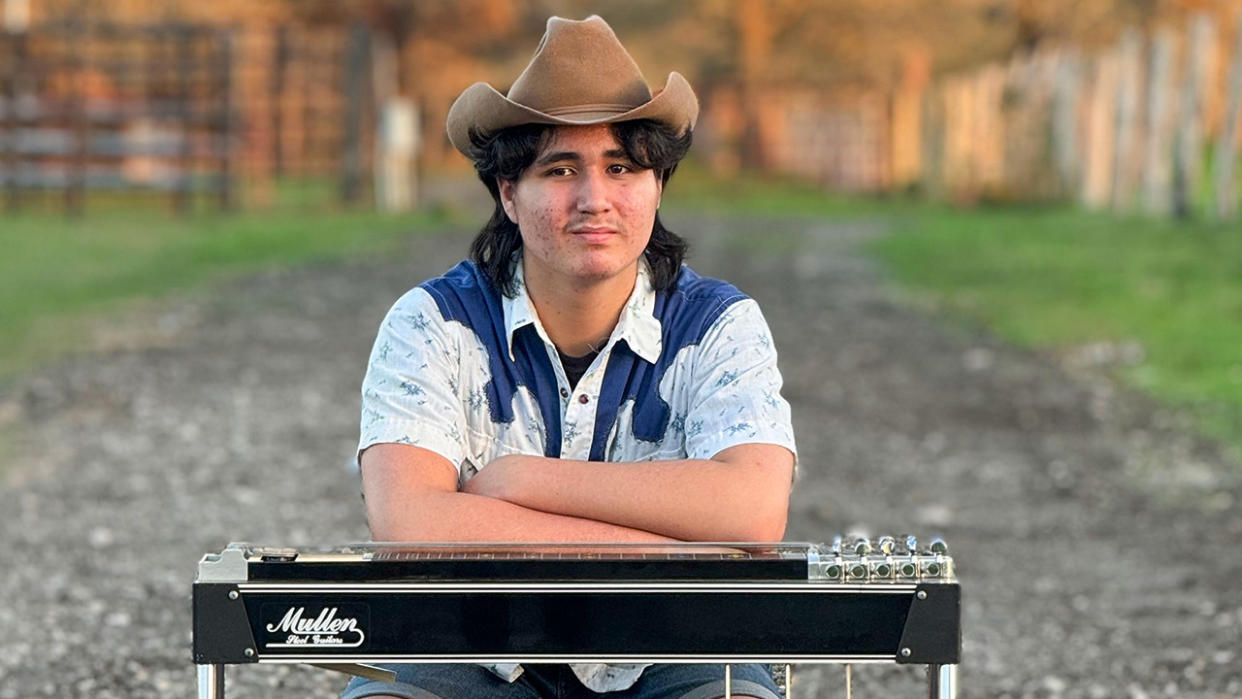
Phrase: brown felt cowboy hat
(581,74)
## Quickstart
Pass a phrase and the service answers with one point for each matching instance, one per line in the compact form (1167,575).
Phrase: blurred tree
(470,25)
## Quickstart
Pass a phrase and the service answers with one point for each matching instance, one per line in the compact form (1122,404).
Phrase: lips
(593,234)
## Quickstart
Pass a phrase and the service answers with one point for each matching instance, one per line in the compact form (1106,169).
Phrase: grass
(57,273)
(692,187)
(1061,278)
(1056,279)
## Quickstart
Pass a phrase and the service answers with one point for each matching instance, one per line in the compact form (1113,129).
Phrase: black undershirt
(575,367)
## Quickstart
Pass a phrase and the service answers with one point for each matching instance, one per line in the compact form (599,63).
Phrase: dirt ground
(1095,538)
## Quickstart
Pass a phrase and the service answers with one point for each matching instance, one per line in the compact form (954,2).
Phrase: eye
(619,169)
(560,172)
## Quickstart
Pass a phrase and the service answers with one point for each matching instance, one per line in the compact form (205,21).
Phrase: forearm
(691,500)
(454,516)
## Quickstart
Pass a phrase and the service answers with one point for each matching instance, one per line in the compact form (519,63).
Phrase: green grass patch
(59,272)
(1060,278)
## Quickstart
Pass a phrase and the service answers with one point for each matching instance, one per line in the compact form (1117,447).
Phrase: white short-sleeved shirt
(469,373)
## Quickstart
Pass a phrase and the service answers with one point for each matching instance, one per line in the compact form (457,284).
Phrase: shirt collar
(637,326)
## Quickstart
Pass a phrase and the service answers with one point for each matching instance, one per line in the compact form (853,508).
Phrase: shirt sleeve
(410,393)
(736,387)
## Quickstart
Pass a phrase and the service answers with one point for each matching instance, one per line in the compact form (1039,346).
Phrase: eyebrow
(571,156)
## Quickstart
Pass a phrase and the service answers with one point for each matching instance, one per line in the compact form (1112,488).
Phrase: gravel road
(1096,538)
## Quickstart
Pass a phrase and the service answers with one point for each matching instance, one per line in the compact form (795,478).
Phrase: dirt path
(1097,542)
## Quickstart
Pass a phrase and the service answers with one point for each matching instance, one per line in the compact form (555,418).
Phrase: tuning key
(862,546)
(886,544)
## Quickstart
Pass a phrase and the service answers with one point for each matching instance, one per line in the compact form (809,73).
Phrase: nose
(593,193)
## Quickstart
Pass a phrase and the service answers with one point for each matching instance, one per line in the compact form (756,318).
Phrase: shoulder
(461,293)
(462,296)
(415,308)
(695,304)
(694,288)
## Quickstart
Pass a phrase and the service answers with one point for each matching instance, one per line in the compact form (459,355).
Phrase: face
(585,211)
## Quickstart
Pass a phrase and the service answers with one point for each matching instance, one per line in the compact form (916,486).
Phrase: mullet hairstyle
(506,154)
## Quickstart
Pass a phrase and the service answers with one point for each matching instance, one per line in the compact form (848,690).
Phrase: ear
(508,192)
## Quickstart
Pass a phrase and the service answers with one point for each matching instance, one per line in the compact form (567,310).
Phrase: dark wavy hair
(505,155)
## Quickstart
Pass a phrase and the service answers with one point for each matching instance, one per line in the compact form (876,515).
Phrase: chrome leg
(728,682)
(211,682)
(788,681)
(942,681)
(849,681)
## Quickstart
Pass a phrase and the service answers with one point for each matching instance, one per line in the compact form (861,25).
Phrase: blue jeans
(458,681)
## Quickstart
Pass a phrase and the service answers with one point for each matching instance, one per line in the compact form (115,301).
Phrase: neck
(579,317)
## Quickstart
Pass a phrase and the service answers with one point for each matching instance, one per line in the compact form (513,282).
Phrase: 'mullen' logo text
(323,630)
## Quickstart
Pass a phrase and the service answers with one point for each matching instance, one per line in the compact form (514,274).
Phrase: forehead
(593,139)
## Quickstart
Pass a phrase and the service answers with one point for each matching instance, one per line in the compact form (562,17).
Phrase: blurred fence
(225,113)
(1147,125)
(838,138)
(197,112)
(86,108)
(307,107)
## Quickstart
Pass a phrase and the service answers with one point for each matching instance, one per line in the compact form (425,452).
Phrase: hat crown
(580,74)
(580,66)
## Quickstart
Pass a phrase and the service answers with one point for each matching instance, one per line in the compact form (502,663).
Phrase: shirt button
(583,399)
(564,393)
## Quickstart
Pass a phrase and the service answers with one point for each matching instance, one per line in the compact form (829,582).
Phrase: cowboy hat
(581,74)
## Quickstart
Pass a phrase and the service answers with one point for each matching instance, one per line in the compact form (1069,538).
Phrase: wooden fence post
(75,189)
(1157,166)
(225,138)
(280,61)
(906,127)
(1226,140)
(17,88)
(1066,149)
(1129,60)
(396,146)
(356,76)
(960,126)
(182,39)
(931,163)
(1188,160)
(989,138)
(1098,173)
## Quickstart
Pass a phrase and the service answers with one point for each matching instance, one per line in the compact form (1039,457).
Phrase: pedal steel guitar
(856,600)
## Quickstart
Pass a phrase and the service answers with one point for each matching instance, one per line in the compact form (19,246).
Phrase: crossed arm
(741,494)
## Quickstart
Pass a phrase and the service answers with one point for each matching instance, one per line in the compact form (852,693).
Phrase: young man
(573,381)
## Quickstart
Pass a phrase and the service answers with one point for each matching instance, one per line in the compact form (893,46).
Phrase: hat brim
(481,109)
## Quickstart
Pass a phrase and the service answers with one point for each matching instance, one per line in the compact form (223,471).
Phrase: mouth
(593,234)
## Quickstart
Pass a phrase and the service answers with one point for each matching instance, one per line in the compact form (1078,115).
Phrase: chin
(600,268)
